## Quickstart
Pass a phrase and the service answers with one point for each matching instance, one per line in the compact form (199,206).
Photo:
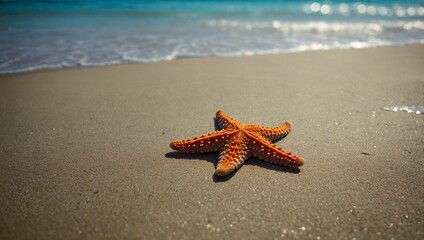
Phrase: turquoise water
(55,34)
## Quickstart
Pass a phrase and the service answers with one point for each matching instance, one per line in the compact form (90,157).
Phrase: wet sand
(84,153)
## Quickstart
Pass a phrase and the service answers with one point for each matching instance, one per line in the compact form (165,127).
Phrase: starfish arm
(210,142)
(272,133)
(269,152)
(226,121)
(233,155)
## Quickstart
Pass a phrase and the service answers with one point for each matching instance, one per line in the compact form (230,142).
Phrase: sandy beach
(84,153)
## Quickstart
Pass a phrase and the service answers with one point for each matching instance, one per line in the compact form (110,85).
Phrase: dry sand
(84,153)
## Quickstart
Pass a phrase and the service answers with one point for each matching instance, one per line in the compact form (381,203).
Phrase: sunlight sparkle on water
(408,109)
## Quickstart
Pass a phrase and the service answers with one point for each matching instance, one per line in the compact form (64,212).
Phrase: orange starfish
(236,142)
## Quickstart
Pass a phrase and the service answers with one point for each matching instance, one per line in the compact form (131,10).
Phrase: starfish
(236,142)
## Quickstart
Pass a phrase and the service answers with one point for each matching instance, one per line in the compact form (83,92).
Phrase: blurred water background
(69,33)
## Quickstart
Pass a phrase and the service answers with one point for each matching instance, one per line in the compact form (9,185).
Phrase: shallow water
(408,109)
(55,34)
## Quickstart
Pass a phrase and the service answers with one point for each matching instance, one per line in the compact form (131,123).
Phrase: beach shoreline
(207,57)
(84,152)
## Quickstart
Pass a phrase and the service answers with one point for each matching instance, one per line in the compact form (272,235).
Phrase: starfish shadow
(212,158)
(257,162)
(216,124)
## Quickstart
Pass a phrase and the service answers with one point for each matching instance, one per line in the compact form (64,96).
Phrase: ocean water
(69,33)
(409,109)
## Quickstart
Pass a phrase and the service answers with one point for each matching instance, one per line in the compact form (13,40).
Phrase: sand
(84,153)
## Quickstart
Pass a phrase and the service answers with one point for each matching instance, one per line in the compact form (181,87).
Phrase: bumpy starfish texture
(236,142)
